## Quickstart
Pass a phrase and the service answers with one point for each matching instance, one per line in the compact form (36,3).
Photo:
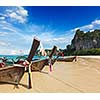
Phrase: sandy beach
(82,76)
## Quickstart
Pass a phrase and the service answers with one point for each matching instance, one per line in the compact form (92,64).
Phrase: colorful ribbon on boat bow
(42,50)
(50,65)
(26,63)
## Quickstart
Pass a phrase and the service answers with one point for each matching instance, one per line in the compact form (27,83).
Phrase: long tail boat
(38,65)
(13,73)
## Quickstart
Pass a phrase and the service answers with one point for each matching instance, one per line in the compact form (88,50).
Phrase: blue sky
(52,25)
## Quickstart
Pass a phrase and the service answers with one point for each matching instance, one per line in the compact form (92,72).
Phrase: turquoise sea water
(15,56)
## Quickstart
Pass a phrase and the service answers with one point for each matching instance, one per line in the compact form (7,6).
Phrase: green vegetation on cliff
(93,51)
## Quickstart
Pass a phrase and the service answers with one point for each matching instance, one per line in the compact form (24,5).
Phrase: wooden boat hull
(11,74)
(69,59)
(38,65)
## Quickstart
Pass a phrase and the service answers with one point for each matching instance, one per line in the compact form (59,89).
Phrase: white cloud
(93,25)
(35,28)
(22,12)
(2,18)
(10,52)
(9,29)
(96,22)
(3,33)
(87,27)
(3,15)
(17,17)
(9,10)
(91,30)
(3,43)
(17,14)
(3,22)
(14,52)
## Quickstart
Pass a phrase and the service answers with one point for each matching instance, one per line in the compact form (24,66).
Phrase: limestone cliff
(86,40)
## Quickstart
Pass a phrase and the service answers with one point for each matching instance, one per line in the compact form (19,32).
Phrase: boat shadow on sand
(21,84)
(15,86)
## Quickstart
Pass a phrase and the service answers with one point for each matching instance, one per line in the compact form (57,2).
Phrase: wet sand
(82,76)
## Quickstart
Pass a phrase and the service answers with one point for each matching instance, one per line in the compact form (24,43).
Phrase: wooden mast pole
(34,47)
